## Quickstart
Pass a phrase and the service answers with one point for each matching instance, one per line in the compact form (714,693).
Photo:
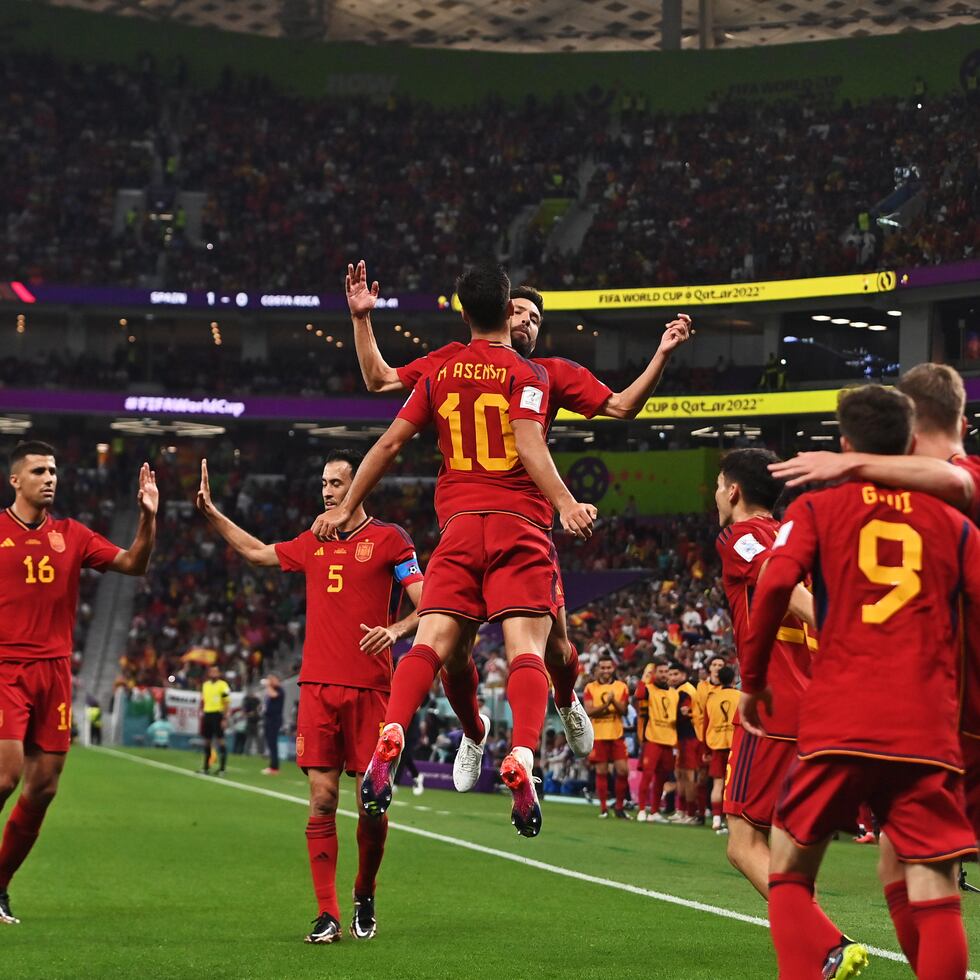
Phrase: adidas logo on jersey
(319,552)
(7,543)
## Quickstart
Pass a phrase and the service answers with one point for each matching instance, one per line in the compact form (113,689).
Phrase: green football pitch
(146,870)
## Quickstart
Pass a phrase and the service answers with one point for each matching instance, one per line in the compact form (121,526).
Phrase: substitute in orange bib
(606,702)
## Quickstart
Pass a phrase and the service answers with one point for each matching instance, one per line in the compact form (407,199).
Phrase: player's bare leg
(438,636)
(41,771)
(525,638)
(321,842)
(891,874)
(748,853)
(561,660)
(799,925)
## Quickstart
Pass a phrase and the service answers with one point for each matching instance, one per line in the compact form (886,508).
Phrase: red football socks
(897,896)
(563,679)
(620,791)
(371,837)
(527,693)
(23,826)
(602,790)
(461,691)
(942,951)
(646,780)
(797,930)
(321,842)
(411,682)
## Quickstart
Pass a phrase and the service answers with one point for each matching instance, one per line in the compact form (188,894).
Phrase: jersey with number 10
(889,567)
(472,398)
(39,570)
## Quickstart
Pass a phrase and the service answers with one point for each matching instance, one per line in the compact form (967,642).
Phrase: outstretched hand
(361,298)
(677,332)
(204,503)
(148,496)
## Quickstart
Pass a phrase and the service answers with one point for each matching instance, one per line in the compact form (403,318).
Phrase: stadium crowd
(736,191)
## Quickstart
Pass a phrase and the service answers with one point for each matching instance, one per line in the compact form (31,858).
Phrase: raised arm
(923,473)
(532,449)
(380,456)
(626,404)
(253,550)
(134,560)
(361,298)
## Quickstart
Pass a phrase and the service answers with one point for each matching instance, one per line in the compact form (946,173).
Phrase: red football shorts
(718,766)
(921,808)
(971,780)
(489,566)
(338,727)
(35,702)
(756,770)
(658,758)
(689,752)
(608,750)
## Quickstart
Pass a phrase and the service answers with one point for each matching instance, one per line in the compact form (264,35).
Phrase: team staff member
(40,560)
(656,701)
(606,701)
(720,709)
(688,756)
(345,676)
(215,698)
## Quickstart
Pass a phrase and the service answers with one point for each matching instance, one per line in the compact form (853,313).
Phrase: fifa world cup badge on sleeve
(364,550)
(57,541)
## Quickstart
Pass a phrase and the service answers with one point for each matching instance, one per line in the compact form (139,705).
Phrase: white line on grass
(556,869)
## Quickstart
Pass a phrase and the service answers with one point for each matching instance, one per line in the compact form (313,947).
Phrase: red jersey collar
(10,513)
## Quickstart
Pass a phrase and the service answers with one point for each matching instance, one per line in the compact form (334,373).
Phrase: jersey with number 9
(472,398)
(889,569)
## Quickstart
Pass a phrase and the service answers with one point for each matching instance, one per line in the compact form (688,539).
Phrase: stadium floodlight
(877,327)
(820,317)
(791,339)
(840,320)
(859,323)
(894,312)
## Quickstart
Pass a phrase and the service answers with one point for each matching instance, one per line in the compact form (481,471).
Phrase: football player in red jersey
(40,560)
(495,559)
(572,387)
(353,585)
(939,465)
(745,495)
(889,567)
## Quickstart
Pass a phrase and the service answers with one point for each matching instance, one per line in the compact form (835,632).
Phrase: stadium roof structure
(552,25)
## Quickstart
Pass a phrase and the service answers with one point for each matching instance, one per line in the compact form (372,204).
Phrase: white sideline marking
(556,869)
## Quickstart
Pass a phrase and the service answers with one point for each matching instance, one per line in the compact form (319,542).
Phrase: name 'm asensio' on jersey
(472,398)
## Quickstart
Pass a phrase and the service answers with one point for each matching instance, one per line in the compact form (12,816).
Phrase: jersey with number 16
(39,570)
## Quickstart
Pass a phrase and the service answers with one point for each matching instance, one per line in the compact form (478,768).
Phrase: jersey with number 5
(39,570)
(472,398)
(889,568)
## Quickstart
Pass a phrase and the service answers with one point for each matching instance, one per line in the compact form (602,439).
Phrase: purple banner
(307,303)
(210,408)
(439,775)
(972,386)
(939,275)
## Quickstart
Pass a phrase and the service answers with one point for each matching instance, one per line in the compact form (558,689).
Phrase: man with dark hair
(40,560)
(571,387)
(940,466)
(720,709)
(345,676)
(889,568)
(495,500)
(656,728)
(745,495)
(607,701)
(688,756)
